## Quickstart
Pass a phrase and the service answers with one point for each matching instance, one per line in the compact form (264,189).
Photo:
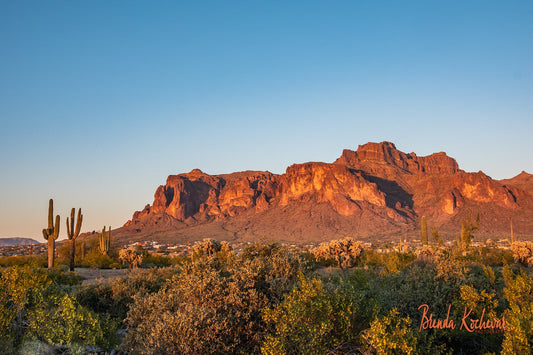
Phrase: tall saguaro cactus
(51,233)
(73,234)
(424,230)
(105,241)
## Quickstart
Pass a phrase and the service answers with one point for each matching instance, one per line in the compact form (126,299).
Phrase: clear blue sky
(101,100)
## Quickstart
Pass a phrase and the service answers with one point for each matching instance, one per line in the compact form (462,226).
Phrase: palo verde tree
(73,234)
(51,233)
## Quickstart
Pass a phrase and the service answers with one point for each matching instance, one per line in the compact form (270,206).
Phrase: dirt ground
(92,276)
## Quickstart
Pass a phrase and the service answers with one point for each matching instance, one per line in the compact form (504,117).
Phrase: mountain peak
(387,156)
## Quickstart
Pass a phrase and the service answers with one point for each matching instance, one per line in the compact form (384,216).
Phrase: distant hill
(375,193)
(7,242)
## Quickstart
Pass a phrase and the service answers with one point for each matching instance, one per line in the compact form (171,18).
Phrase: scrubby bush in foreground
(314,318)
(214,305)
(203,310)
(34,307)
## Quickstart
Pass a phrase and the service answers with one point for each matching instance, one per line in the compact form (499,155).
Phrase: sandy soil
(92,276)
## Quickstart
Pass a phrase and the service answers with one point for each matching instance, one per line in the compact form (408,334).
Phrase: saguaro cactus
(105,241)
(51,233)
(424,230)
(73,234)
(82,250)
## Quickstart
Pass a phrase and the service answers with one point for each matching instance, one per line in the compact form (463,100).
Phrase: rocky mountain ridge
(373,192)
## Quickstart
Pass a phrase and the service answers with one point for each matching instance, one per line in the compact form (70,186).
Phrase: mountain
(523,181)
(7,242)
(375,192)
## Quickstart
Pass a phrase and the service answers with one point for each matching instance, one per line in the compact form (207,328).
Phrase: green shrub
(21,260)
(115,297)
(518,292)
(314,318)
(203,310)
(391,334)
(98,260)
(33,305)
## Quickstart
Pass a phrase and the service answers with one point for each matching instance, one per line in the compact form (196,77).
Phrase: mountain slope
(374,192)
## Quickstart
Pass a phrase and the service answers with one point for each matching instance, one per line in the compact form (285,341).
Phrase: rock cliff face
(374,190)
(197,196)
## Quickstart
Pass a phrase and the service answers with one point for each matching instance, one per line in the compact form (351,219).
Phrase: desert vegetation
(341,297)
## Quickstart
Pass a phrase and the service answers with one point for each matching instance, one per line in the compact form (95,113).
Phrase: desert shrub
(214,304)
(32,306)
(483,303)
(64,321)
(494,256)
(394,262)
(97,260)
(276,268)
(387,263)
(344,252)
(115,297)
(314,318)
(518,291)
(62,276)
(155,260)
(205,309)
(264,250)
(413,286)
(390,334)
(21,288)
(523,252)
(20,260)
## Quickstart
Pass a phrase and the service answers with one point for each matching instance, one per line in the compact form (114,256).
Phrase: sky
(101,100)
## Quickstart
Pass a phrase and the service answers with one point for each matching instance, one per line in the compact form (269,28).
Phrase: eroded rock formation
(376,186)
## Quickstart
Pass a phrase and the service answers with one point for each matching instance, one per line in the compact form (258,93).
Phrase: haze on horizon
(101,101)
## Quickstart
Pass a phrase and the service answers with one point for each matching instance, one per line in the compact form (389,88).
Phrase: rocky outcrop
(344,189)
(371,189)
(383,157)
(197,196)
